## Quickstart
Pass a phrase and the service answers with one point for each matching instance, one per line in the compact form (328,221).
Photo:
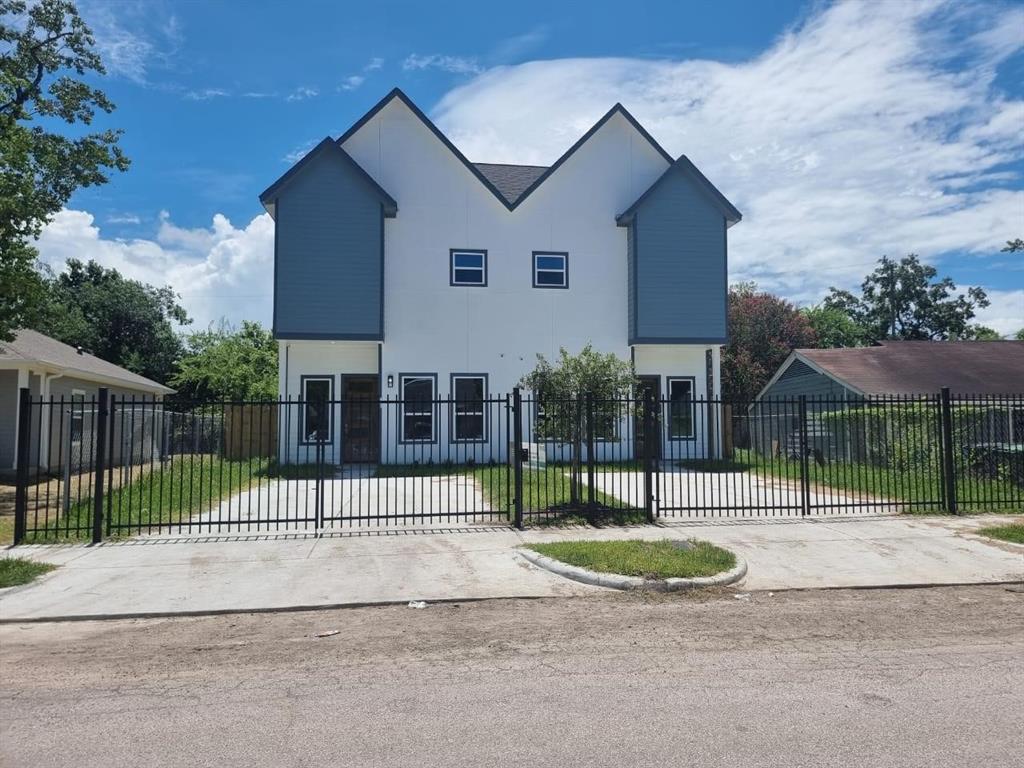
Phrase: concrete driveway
(154,575)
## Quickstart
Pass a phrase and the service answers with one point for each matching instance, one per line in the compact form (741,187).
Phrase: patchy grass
(1012,532)
(663,559)
(166,495)
(6,530)
(547,493)
(920,489)
(18,570)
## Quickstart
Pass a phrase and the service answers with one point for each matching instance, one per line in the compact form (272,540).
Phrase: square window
(550,270)
(468,267)
(418,408)
(680,409)
(468,395)
(316,409)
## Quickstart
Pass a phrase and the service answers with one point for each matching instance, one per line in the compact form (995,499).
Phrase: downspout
(44,417)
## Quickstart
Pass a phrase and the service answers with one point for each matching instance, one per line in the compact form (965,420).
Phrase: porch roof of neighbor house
(920,367)
(33,348)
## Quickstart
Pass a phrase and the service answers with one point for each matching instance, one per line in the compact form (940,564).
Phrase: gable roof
(511,180)
(328,145)
(920,367)
(34,347)
(510,204)
(685,166)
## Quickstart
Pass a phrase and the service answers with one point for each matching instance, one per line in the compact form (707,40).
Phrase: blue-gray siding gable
(677,249)
(800,379)
(329,254)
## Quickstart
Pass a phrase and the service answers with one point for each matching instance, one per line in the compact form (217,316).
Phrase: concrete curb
(618,581)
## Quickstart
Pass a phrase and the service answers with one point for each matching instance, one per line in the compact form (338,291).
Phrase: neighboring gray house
(50,368)
(834,379)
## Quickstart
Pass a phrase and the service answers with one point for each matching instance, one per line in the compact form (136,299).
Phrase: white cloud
(870,129)
(1005,312)
(124,218)
(300,151)
(456,64)
(375,63)
(301,93)
(351,82)
(220,271)
(517,46)
(206,94)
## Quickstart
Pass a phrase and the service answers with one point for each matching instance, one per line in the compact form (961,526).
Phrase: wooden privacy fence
(250,430)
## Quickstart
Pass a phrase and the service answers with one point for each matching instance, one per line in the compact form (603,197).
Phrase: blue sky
(843,131)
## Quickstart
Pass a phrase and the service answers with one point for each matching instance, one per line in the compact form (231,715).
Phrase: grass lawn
(650,559)
(547,493)
(18,570)
(917,488)
(1013,532)
(168,494)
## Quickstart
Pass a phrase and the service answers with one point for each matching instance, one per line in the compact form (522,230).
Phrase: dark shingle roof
(922,367)
(511,180)
(34,347)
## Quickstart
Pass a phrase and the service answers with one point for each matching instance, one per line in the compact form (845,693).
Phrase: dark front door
(652,385)
(360,433)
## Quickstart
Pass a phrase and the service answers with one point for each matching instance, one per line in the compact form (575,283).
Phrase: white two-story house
(403,270)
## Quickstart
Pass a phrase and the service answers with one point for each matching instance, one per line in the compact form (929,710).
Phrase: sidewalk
(167,575)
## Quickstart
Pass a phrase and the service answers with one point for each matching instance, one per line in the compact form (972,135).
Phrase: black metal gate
(102,466)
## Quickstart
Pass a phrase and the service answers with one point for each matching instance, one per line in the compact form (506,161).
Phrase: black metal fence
(115,466)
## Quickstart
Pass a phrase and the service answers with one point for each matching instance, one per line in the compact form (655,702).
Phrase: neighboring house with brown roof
(902,368)
(833,379)
(50,368)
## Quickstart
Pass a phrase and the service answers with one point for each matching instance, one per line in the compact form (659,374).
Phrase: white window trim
(564,271)
(482,269)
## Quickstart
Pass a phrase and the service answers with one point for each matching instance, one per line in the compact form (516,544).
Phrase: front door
(652,385)
(360,409)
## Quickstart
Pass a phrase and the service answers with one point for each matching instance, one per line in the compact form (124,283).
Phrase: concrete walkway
(266,571)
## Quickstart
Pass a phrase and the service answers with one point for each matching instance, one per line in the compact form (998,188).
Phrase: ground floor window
(317,392)
(468,412)
(680,409)
(418,395)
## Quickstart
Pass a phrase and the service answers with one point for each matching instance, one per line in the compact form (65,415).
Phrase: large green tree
(835,328)
(763,330)
(905,299)
(46,51)
(228,364)
(124,321)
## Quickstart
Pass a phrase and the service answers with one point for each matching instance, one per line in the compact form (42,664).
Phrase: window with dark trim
(681,415)
(469,418)
(317,392)
(550,269)
(418,396)
(468,267)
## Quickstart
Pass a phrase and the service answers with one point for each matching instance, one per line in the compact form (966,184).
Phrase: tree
(228,364)
(1020,335)
(834,328)
(44,46)
(984,333)
(122,321)
(763,330)
(1013,246)
(903,300)
(561,392)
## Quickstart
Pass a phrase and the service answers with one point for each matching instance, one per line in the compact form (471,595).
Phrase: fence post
(649,453)
(24,440)
(99,464)
(591,497)
(517,458)
(948,466)
(805,480)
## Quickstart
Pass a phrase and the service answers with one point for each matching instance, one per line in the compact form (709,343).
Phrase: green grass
(916,488)
(18,570)
(1012,532)
(547,493)
(171,494)
(650,559)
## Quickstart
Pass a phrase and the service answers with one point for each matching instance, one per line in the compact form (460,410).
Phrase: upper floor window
(418,405)
(316,408)
(468,267)
(680,409)
(550,269)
